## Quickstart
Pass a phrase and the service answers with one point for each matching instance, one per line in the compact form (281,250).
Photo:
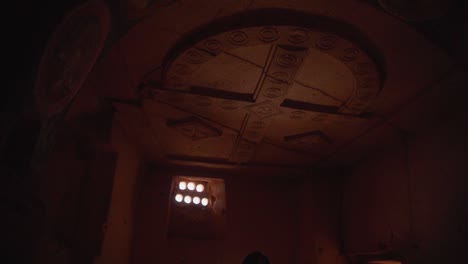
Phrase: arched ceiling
(261,82)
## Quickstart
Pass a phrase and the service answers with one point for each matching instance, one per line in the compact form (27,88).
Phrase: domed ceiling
(262,91)
(261,86)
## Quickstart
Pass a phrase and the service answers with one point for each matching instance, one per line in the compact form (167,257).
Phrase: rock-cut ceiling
(263,86)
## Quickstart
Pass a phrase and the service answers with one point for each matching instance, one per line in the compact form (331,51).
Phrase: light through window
(191,186)
(179,197)
(192,193)
(200,188)
(197,207)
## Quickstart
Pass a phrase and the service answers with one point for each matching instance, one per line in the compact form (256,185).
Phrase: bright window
(193,193)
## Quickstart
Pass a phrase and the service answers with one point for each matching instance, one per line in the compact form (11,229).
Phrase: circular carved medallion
(297,115)
(238,38)
(327,42)
(350,54)
(214,46)
(193,56)
(273,92)
(279,77)
(288,60)
(69,56)
(298,35)
(268,34)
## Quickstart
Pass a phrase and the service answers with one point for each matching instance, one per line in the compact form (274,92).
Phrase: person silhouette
(256,258)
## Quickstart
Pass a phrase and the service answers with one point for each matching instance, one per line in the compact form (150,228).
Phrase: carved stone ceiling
(262,86)
(267,93)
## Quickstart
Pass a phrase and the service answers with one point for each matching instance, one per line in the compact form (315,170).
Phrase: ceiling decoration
(70,55)
(194,128)
(290,85)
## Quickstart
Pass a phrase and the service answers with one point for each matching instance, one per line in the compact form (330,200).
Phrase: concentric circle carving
(288,60)
(268,34)
(213,46)
(238,37)
(193,56)
(264,110)
(273,92)
(297,115)
(279,77)
(327,42)
(350,54)
(298,35)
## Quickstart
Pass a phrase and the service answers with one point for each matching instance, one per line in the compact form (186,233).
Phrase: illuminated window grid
(191,193)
